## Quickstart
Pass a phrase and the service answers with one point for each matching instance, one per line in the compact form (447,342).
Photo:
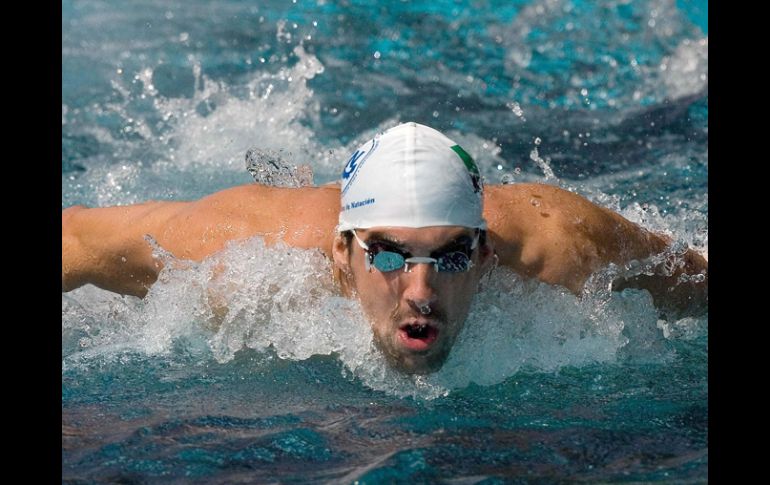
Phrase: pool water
(163,100)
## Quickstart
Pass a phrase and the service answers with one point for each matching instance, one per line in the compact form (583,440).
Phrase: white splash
(200,142)
(685,71)
(252,296)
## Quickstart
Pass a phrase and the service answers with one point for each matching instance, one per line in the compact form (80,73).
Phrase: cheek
(375,295)
(458,295)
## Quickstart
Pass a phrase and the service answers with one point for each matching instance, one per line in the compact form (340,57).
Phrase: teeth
(417,331)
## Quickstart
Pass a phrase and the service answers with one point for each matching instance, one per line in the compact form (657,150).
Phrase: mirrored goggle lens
(388,261)
(455,262)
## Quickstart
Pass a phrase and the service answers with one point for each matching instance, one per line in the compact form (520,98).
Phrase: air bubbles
(516,109)
(281,34)
(269,168)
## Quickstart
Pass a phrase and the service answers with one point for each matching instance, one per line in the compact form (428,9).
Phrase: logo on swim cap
(355,163)
(351,166)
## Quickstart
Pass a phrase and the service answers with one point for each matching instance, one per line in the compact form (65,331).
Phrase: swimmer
(410,230)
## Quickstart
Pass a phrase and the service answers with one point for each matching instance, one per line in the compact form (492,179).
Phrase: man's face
(416,315)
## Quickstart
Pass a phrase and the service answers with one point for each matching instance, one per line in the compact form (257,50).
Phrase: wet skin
(538,231)
(416,315)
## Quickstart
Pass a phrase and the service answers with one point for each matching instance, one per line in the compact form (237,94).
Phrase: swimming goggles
(387,258)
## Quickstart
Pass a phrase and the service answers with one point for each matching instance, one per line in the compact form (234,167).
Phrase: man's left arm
(676,276)
(562,238)
(678,284)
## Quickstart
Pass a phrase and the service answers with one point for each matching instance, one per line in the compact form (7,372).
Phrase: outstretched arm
(107,246)
(562,238)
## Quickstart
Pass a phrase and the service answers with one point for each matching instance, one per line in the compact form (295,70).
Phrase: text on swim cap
(356,204)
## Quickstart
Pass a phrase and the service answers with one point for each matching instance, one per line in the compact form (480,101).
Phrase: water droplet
(516,108)
(435,114)
(538,141)
(269,168)
(377,54)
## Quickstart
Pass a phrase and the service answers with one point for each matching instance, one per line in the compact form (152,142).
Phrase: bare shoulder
(543,199)
(559,236)
(251,197)
(302,216)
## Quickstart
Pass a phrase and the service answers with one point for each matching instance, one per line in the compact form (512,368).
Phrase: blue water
(161,100)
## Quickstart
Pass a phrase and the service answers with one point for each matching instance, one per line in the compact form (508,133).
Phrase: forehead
(417,238)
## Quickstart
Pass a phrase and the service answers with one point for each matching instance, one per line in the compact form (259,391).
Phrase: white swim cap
(410,176)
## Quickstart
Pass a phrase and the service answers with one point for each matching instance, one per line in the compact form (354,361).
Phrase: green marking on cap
(467,160)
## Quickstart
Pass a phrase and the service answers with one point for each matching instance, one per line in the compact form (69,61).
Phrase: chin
(418,364)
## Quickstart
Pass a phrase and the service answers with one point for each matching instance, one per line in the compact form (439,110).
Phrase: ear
(342,272)
(486,255)
(341,253)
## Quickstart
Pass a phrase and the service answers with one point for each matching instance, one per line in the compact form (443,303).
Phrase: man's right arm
(106,246)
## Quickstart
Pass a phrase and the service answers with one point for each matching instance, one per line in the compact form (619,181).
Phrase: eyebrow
(461,239)
(382,237)
(387,240)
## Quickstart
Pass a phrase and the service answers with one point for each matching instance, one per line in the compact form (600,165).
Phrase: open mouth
(418,335)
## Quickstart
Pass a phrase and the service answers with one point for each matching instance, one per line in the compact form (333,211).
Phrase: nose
(419,288)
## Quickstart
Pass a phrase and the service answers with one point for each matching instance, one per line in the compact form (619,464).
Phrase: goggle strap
(367,254)
(360,242)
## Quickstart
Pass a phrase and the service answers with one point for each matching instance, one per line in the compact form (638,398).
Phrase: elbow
(66,214)
(69,221)
(71,249)
(71,263)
